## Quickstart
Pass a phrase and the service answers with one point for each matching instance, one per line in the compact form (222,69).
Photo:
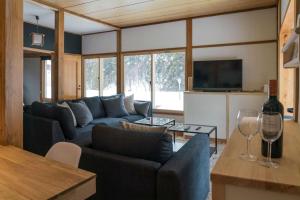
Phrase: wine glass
(271,126)
(248,125)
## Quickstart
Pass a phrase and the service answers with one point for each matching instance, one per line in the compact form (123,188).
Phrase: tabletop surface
(24,175)
(230,169)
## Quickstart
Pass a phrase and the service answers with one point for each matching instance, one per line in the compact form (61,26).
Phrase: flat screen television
(218,75)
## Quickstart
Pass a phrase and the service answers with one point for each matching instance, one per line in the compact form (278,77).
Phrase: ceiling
(123,13)
(73,23)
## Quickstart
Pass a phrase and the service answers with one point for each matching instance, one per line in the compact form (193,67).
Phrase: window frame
(95,56)
(151,53)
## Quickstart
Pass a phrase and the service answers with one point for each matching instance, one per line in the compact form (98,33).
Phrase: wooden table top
(230,169)
(24,175)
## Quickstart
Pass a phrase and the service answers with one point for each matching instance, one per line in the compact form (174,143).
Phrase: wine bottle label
(271,126)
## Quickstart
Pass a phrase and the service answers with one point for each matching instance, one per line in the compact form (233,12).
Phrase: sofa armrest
(120,177)
(41,133)
(186,175)
(150,111)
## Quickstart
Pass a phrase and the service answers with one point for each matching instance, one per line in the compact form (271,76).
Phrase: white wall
(238,27)
(99,43)
(166,35)
(31,80)
(259,61)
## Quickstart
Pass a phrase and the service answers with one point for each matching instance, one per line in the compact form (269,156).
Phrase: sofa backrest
(156,147)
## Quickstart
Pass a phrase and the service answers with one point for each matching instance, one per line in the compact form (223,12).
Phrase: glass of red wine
(271,126)
(248,125)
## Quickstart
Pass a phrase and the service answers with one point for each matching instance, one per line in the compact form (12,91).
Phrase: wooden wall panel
(189,52)
(57,75)
(11,72)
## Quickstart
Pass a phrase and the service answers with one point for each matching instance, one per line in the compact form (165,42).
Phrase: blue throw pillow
(82,113)
(95,105)
(142,108)
(115,107)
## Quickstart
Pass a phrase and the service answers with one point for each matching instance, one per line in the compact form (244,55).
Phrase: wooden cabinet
(219,108)
(71,77)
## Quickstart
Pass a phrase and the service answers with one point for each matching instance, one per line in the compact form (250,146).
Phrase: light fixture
(37,39)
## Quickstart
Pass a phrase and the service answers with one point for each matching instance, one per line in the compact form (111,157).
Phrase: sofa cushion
(65,119)
(112,96)
(95,105)
(143,128)
(84,135)
(47,110)
(114,107)
(114,122)
(142,108)
(133,118)
(153,146)
(129,104)
(66,105)
(61,114)
(82,113)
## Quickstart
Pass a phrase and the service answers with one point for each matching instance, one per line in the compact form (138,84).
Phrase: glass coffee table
(197,129)
(156,121)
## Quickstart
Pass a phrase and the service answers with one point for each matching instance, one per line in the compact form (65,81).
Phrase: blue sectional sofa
(42,128)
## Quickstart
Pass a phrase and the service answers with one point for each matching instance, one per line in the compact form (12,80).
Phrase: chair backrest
(65,152)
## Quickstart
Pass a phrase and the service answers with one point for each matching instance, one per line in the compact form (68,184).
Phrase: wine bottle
(273,105)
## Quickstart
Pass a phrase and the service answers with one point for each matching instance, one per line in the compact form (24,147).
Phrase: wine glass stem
(269,152)
(248,146)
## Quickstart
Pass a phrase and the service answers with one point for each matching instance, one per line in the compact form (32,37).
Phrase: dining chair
(65,152)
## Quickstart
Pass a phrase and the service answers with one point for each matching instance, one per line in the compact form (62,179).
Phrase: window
(100,76)
(168,80)
(167,73)
(137,76)
(46,80)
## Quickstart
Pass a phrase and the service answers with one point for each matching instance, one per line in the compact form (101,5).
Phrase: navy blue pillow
(95,105)
(62,115)
(142,108)
(65,118)
(46,110)
(112,96)
(114,107)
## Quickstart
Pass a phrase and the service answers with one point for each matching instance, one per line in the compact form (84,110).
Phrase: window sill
(168,112)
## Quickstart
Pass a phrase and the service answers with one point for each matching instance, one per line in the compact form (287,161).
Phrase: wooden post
(120,87)
(57,76)
(11,72)
(189,52)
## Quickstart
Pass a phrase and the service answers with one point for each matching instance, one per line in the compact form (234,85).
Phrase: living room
(149,99)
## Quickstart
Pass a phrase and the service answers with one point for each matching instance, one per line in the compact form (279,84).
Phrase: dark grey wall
(72,41)
(31,76)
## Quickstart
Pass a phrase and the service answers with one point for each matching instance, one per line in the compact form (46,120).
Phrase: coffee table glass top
(192,128)
(155,121)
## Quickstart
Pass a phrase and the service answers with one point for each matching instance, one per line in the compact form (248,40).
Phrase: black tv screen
(218,75)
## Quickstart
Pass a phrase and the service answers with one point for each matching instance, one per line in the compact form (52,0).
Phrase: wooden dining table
(24,175)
